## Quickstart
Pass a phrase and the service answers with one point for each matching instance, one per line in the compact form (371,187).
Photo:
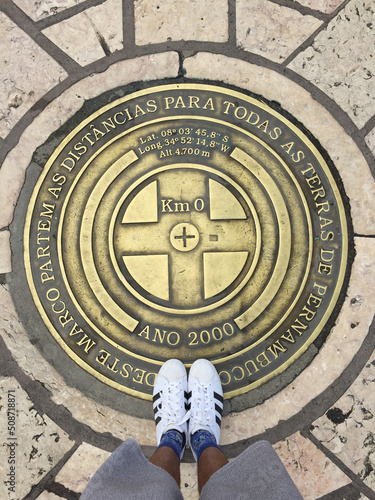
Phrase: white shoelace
(171,410)
(202,411)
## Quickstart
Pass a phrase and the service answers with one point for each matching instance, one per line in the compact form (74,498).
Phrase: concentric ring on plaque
(213,304)
(130,322)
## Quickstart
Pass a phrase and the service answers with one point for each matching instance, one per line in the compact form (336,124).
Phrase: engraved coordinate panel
(185,220)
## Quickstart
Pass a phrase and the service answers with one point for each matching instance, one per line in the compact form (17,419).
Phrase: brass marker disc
(185,221)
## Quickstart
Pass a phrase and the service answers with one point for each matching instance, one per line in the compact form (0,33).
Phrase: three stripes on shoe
(218,408)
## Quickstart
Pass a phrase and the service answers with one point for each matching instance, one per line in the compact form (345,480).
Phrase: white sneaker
(205,399)
(170,399)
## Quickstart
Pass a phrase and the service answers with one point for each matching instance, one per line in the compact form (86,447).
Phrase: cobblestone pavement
(317,59)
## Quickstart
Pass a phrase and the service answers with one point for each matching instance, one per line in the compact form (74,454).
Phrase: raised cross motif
(184,236)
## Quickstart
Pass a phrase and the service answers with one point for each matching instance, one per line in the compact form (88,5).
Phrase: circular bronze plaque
(185,221)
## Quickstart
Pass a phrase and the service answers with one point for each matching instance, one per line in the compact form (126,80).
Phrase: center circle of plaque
(184,237)
(186,221)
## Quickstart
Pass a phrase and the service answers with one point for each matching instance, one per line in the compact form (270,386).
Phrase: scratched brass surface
(185,220)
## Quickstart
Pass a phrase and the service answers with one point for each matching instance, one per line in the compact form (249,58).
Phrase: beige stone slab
(270,30)
(312,472)
(27,73)
(12,172)
(189,481)
(341,61)
(348,159)
(326,6)
(348,429)
(98,417)
(83,36)
(158,21)
(78,471)
(40,9)
(46,495)
(39,443)
(335,355)
(5,254)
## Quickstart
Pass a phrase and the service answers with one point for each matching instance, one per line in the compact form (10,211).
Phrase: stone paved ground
(315,57)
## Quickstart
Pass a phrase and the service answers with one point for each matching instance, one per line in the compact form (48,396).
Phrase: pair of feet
(188,405)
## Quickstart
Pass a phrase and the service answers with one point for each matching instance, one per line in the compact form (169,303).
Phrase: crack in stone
(369,465)
(104,45)
(369,440)
(38,436)
(33,453)
(57,438)
(367,415)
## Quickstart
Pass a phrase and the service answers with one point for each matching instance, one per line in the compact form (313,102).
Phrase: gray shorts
(256,474)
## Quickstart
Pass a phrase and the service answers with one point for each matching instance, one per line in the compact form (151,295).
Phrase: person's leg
(167,459)
(170,409)
(206,407)
(210,461)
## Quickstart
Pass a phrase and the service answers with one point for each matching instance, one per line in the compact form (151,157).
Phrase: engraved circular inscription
(186,221)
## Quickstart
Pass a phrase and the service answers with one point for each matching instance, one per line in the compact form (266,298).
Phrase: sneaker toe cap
(203,370)
(172,370)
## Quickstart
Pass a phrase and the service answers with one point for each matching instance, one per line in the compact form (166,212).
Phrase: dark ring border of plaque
(39,335)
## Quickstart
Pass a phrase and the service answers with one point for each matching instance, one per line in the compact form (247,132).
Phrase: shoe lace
(171,409)
(202,411)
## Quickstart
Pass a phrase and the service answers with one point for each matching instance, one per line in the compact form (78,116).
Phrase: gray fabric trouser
(256,474)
